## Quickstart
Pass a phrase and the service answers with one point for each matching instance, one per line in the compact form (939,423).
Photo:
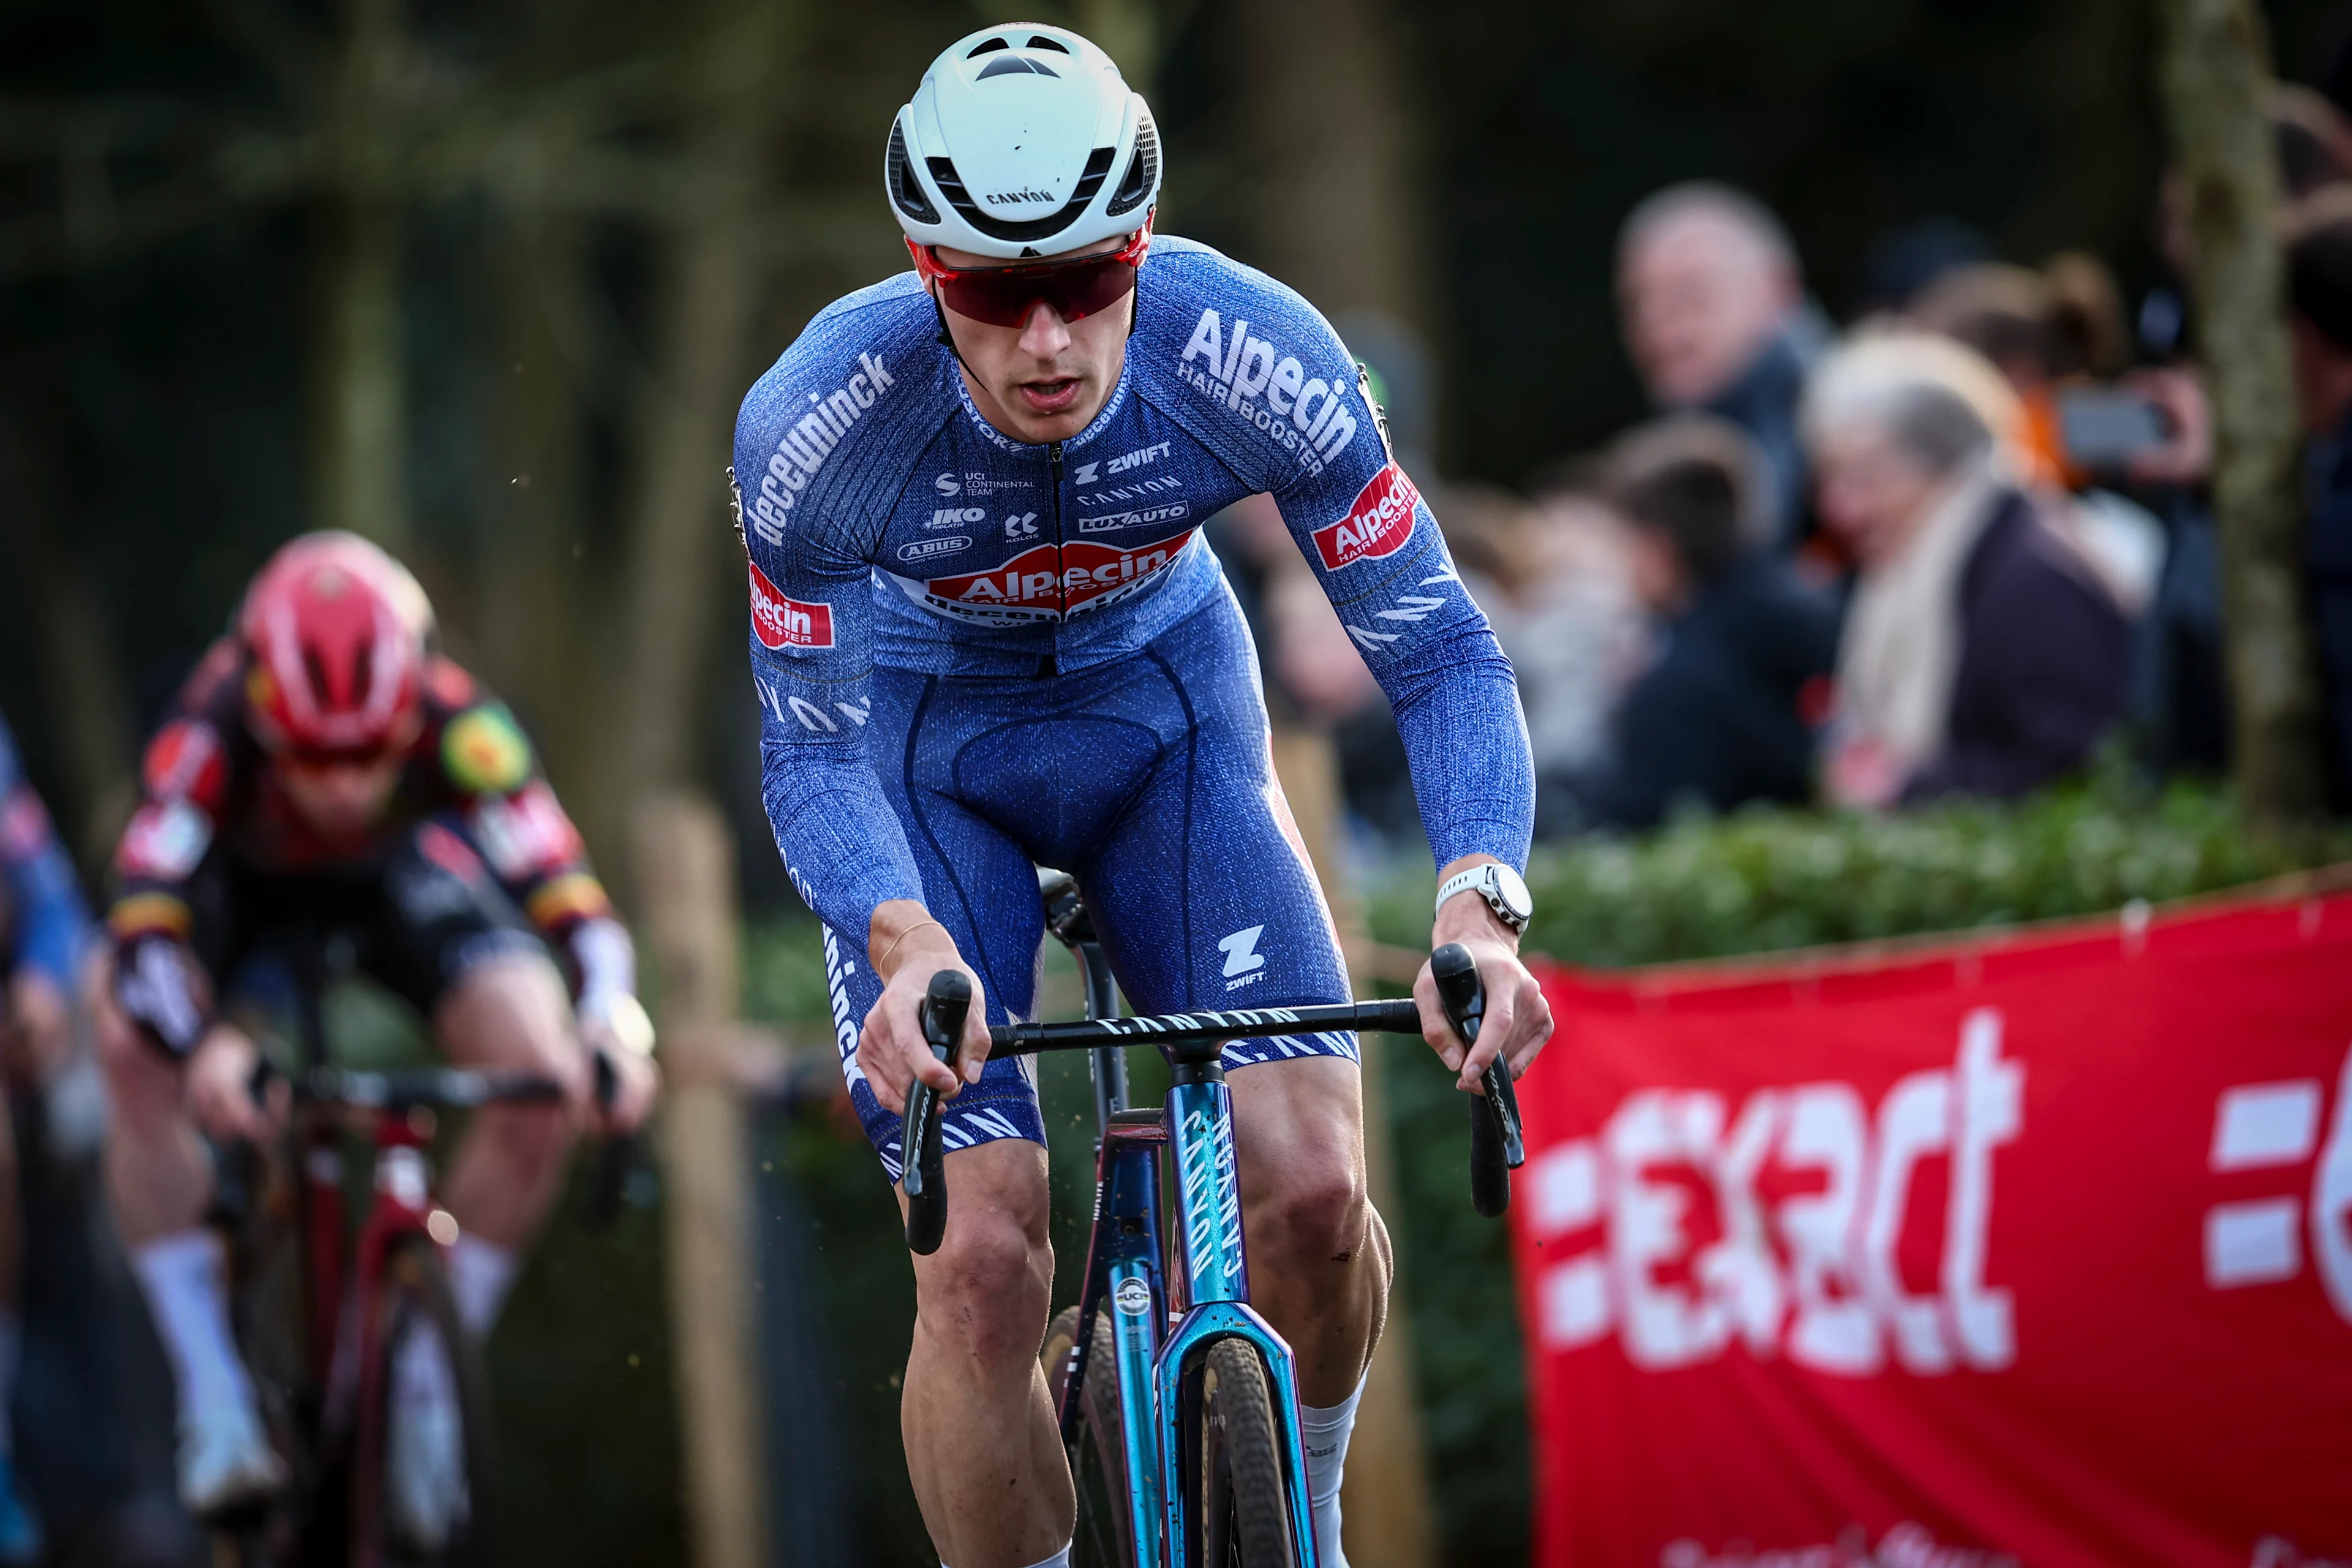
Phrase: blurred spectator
(1715,321)
(2319,273)
(1552,578)
(2048,333)
(1983,653)
(1717,721)
(1899,262)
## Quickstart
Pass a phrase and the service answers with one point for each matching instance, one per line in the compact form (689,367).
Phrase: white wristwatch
(1503,889)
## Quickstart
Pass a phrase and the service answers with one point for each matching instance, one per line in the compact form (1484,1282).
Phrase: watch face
(1512,890)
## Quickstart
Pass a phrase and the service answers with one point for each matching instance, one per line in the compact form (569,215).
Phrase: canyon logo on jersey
(783,623)
(1377,525)
(1048,582)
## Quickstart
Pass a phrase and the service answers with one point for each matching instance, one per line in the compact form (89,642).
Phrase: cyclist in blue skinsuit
(45,936)
(986,635)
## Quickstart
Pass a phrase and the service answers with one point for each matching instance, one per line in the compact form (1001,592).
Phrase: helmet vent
(1014,65)
(951,184)
(985,46)
(1039,41)
(1142,170)
(906,191)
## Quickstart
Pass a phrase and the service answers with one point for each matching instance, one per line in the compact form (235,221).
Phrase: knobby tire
(1244,1513)
(1099,1452)
(415,1290)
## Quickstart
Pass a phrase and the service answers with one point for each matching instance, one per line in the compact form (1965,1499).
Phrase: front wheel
(420,1477)
(1245,1512)
(1105,1536)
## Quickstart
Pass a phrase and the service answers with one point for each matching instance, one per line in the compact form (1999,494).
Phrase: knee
(1314,1211)
(986,1289)
(514,1017)
(142,1087)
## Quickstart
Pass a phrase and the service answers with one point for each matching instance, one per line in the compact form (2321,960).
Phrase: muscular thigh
(1201,891)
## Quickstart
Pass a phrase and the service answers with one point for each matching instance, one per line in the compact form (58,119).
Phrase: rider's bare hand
(1518,1018)
(908,948)
(220,1088)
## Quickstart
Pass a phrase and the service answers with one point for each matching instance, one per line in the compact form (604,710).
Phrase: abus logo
(957,516)
(783,623)
(806,444)
(1235,369)
(1377,525)
(1048,580)
(924,549)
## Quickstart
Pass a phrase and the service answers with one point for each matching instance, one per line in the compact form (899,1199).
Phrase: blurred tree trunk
(86,698)
(360,440)
(2216,79)
(677,560)
(1336,211)
(534,579)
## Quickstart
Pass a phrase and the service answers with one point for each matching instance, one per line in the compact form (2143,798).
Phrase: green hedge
(1697,888)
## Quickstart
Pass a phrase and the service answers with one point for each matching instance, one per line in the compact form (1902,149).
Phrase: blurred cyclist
(45,935)
(325,769)
(987,635)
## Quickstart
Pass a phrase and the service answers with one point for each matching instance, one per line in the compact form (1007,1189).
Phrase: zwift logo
(1236,369)
(807,443)
(1243,958)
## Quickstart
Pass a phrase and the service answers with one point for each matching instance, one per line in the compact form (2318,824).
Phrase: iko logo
(1236,369)
(1022,527)
(947,486)
(925,548)
(957,516)
(1243,958)
(805,444)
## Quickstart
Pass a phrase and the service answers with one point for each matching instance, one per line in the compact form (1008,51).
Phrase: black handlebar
(924,1180)
(1497,1148)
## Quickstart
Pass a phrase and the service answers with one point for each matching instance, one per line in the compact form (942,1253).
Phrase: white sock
(1059,1560)
(480,1275)
(1326,1434)
(187,1295)
(12,1352)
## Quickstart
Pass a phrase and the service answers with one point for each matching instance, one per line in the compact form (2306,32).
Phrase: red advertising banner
(2031,1252)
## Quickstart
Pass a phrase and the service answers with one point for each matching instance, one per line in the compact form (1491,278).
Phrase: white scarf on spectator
(1901,644)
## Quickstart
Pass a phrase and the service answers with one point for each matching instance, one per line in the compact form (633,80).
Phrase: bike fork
(1200,1133)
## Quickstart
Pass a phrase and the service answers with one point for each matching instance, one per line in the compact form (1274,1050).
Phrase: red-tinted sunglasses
(1003,296)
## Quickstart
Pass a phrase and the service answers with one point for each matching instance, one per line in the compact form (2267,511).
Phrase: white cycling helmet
(1021,140)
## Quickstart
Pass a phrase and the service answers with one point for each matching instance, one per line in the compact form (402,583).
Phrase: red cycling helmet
(336,634)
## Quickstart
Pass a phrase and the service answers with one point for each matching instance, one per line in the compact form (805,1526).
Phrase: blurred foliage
(1754,882)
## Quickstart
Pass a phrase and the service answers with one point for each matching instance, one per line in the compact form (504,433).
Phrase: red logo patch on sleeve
(784,622)
(184,761)
(1377,525)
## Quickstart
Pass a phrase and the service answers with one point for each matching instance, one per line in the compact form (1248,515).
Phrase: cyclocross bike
(322,1311)
(1188,1454)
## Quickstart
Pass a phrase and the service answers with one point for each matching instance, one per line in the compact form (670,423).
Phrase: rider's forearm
(902,932)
